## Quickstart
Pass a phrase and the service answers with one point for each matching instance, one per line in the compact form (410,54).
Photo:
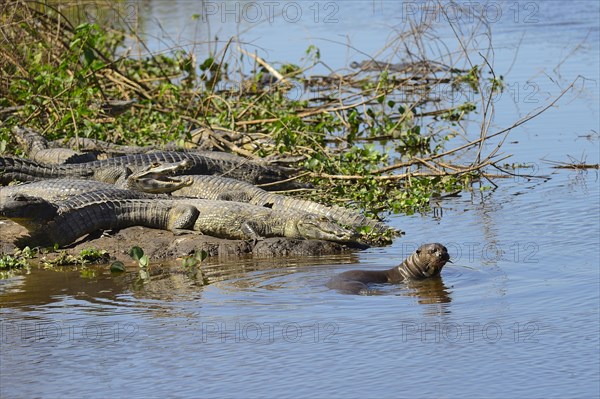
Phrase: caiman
(64,222)
(112,169)
(61,189)
(39,149)
(221,188)
(112,150)
(54,189)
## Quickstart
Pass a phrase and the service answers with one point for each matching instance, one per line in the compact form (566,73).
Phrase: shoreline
(161,244)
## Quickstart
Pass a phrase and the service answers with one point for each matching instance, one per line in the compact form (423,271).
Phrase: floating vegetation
(18,260)
(85,257)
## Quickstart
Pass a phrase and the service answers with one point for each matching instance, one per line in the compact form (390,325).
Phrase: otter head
(427,261)
(30,212)
(323,228)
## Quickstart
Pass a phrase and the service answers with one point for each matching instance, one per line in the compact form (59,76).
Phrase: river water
(516,315)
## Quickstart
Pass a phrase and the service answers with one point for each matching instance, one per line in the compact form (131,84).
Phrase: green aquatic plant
(194,259)
(84,257)
(137,254)
(191,265)
(91,255)
(19,259)
(117,267)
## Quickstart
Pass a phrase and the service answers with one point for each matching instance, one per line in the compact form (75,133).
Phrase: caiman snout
(321,227)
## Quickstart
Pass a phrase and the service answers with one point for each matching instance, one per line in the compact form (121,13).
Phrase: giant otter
(427,261)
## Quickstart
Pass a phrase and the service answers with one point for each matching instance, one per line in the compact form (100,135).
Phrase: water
(516,315)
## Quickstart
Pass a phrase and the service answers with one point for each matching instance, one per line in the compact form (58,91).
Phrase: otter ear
(418,251)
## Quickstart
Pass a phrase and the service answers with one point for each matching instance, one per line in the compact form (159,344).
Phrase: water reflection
(158,289)
(429,291)
(44,287)
(168,281)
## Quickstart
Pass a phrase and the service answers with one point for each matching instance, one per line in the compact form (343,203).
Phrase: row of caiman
(184,191)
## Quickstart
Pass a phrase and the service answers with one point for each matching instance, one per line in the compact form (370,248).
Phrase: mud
(159,244)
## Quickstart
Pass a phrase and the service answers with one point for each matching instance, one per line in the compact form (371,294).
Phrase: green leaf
(189,262)
(117,267)
(144,261)
(74,43)
(82,26)
(89,56)
(207,64)
(136,252)
(201,255)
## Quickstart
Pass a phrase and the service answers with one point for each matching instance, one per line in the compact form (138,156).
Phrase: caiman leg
(251,233)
